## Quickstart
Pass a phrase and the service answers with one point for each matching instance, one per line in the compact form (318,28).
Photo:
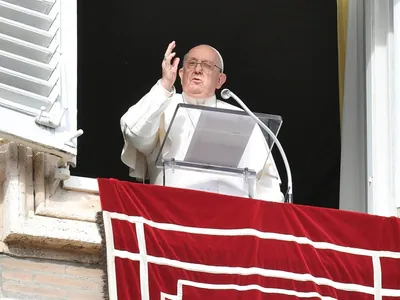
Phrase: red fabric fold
(285,243)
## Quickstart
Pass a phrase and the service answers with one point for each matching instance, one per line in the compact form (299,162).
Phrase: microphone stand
(226,94)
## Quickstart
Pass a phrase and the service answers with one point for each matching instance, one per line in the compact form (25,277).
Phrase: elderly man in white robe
(144,125)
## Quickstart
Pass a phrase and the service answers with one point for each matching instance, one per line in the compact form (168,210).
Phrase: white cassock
(144,125)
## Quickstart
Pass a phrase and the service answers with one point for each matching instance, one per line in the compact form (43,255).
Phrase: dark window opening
(280,58)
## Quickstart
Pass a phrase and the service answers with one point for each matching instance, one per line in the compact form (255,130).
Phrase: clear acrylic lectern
(204,144)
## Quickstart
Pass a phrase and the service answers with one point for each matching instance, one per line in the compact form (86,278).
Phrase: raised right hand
(169,67)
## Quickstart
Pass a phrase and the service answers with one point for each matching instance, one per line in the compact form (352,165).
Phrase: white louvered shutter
(38,71)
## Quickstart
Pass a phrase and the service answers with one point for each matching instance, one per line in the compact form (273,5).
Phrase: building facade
(50,242)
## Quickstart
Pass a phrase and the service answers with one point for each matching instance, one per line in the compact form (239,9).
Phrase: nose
(198,68)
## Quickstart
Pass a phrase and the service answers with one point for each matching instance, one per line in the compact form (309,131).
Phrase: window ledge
(81,184)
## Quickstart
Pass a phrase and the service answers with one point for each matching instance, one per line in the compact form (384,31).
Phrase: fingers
(169,67)
(169,57)
(175,63)
(167,61)
(171,47)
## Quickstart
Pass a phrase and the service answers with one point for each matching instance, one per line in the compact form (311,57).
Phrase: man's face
(201,80)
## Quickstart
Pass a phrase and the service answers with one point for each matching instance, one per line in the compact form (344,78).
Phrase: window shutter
(37,75)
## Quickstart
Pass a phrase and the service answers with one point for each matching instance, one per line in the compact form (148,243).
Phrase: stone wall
(49,240)
(40,217)
(41,279)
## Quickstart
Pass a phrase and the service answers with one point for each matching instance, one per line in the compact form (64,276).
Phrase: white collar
(200,101)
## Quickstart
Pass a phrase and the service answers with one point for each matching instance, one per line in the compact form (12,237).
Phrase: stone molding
(40,218)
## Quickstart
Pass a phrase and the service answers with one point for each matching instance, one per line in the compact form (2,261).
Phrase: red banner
(169,243)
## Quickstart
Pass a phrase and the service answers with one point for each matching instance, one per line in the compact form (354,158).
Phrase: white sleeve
(269,183)
(268,187)
(140,124)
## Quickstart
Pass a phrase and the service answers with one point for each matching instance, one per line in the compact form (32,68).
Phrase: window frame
(396,104)
(382,101)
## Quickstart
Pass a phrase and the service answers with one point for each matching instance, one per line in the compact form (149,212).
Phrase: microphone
(226,94)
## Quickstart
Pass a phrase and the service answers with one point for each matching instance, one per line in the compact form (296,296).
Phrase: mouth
(197,80)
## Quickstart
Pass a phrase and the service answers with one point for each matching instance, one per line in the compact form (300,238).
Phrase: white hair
(220,59)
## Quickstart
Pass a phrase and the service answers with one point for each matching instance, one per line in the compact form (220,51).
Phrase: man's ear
(180,73)
(221,80)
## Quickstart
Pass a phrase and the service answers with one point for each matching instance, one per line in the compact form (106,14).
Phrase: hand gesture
(169,67)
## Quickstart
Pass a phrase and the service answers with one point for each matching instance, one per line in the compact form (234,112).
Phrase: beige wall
(46,279)
(45,229)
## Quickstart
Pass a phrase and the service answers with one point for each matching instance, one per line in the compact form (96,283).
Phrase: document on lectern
(220,139)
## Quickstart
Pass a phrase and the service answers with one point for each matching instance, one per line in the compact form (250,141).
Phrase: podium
(216,149)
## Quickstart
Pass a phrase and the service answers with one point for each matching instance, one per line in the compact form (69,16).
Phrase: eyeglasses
(206,66)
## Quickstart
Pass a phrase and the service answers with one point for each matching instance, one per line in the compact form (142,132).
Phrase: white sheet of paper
(220,139)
